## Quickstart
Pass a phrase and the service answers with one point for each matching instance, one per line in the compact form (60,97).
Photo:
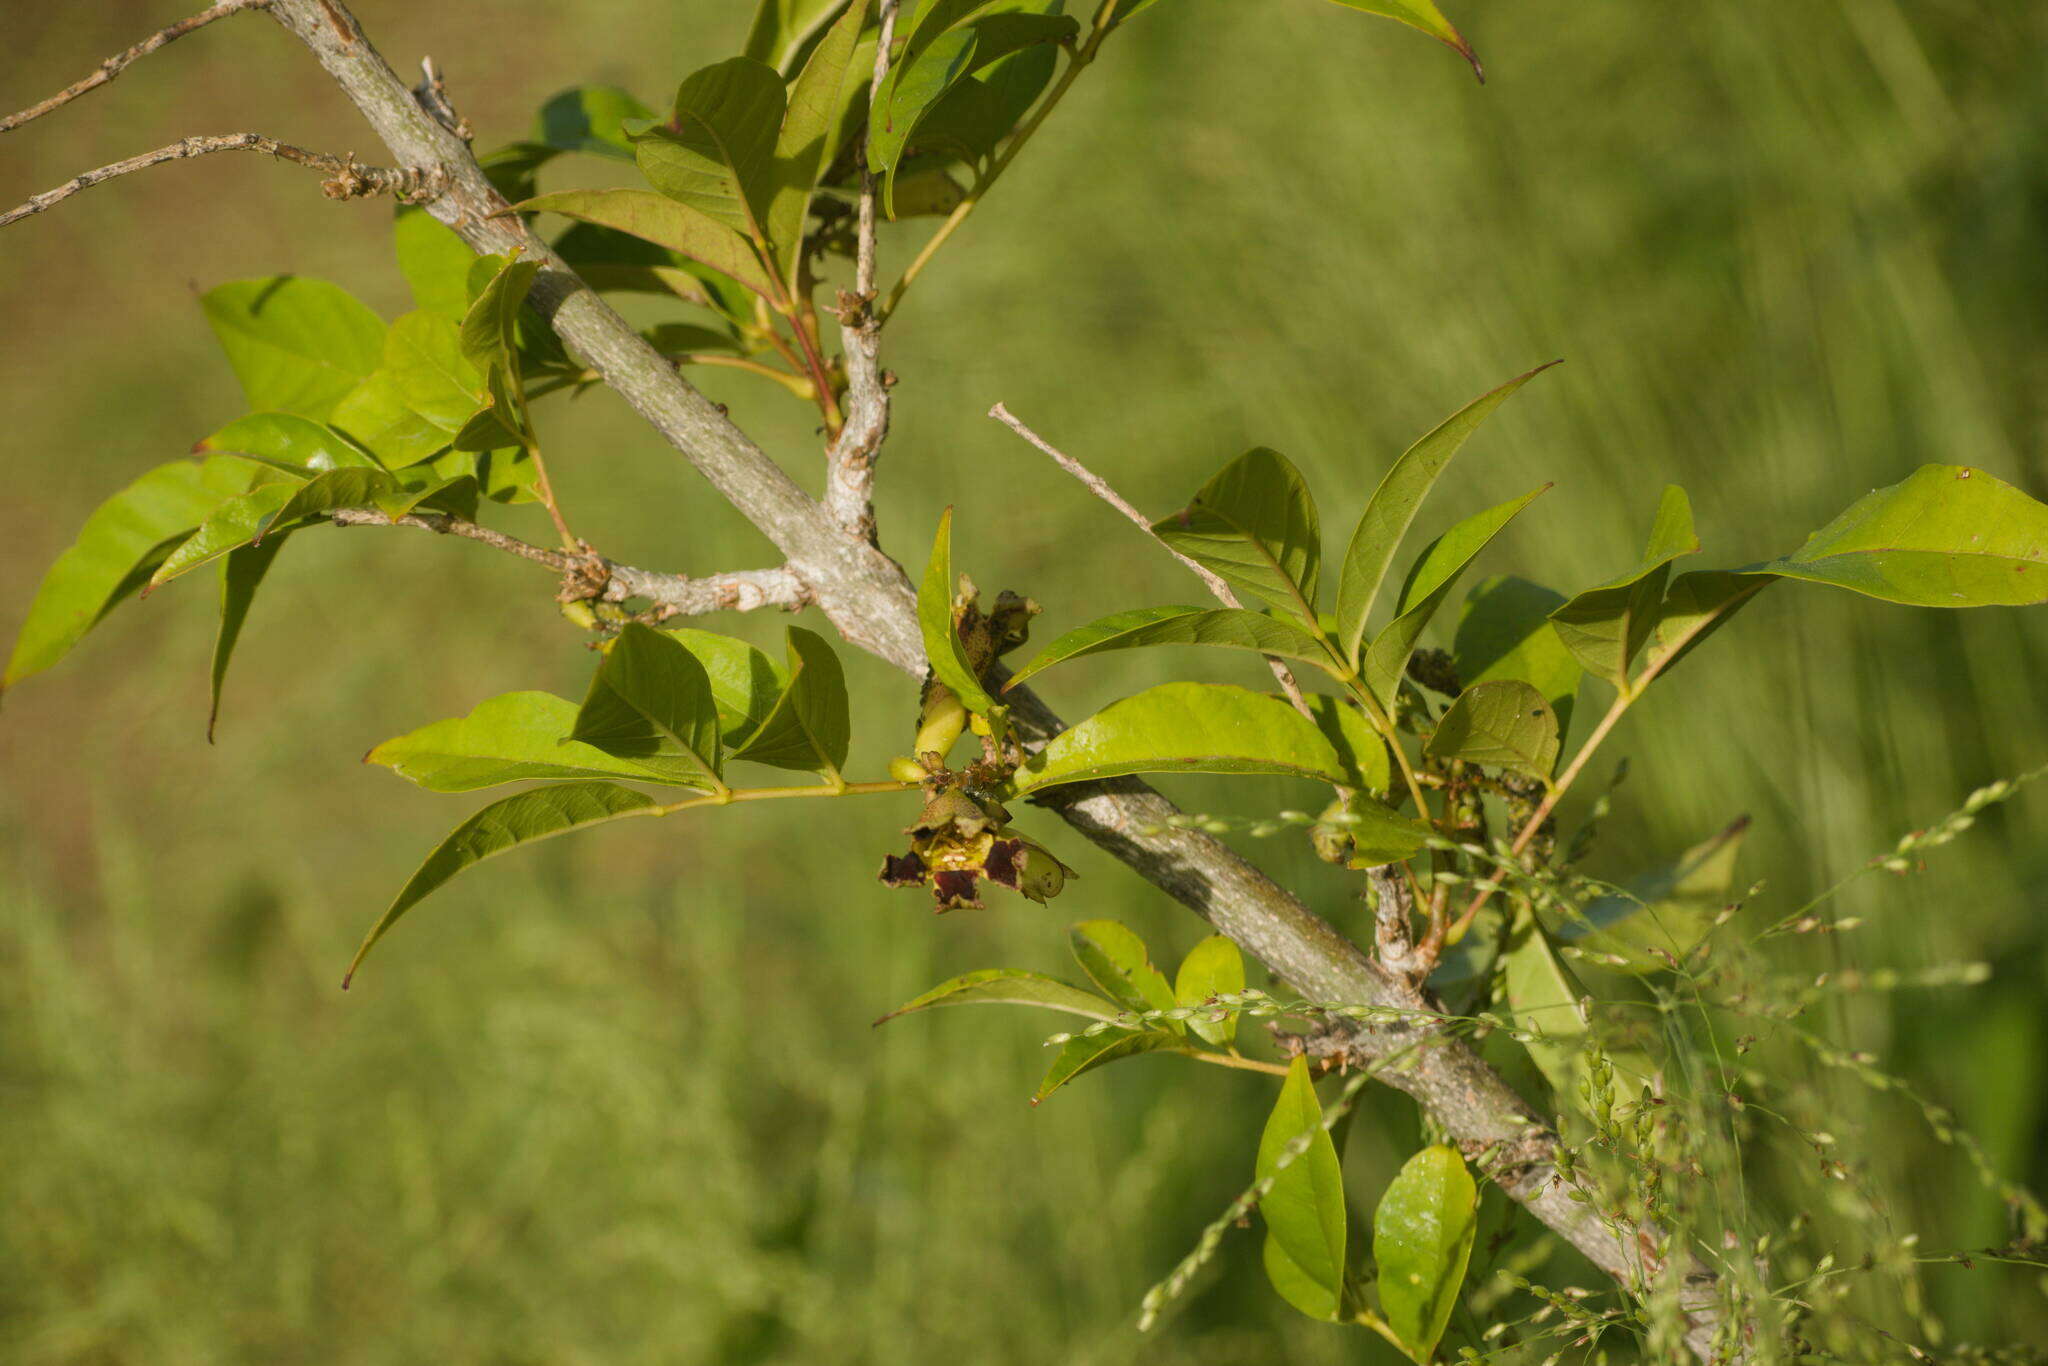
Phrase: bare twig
(673,595)
(1102,489)
(345,179)
(119,62)
(850,465)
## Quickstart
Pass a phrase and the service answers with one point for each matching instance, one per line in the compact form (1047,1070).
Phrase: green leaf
(1186,728)
(1231,626)
(1604,627)
(286,441)
(1422,1236)
(1424,16)
(589,118)
(717,152)
(808,728)
(781,29)
(1695,606)
(942,645)
(1115,960)
(323,493)
(805,141)
(434,261)
(1085,1053)
(1381,835)
(507,739)
(121,544)
(1304,1208)
(1502,724)
(1213,967)
(377,414)
(233,524)
(746,685)
(1543,995)
(427,356)
(937,55)
(1946,536)
(241,574)
(1436,570)
(502,827)
(1668,913)
(1010,986)
(297,345)
(1393,507)
(1255,525)
(651,217)
(1504,632)
(651,703)
(489,337)
(1360,750)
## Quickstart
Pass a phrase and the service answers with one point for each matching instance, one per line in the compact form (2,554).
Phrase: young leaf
(235,523)
(1304,1208)
(241,574)
(1255,525)
(1086,1052)
(1424,16)
(1429,583)
(651,703)
(1604,627)
(377,414)
(1502,724)
(1422,1237)
(1115,960)
(717,152)
(1011,986)
(297,345)
(489,329)
(350,488)
(121,544)
(1213,967)
(1504,632)
(1393,507)
(745,684)
(806,138)
(1360,750)
(507,739)
(1946,536)
(1230,626)
(426,358)
(935,618)
(502,827)
(666,223)
(1186,728)
(286,441)
(808,727)
(434,261)
(590,118)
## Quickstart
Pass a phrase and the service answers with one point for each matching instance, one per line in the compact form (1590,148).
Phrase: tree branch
(119,62)
(1102,489)
(346,180)
(870,602)
(673,595)
(850,464)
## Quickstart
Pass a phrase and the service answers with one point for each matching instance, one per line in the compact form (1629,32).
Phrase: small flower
(957,840)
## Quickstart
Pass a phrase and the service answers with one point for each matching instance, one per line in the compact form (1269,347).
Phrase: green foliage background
(617,1100)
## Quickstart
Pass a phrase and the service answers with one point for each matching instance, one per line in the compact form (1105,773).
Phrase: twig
(1393,924)
(850,464)
(119,62)
(1100,487)
(346,179)
(673,595)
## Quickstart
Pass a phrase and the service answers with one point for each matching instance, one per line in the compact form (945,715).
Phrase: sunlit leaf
(1213,967)
(1505,723)
(717,151)
(1086,1052)
(942,645)
(807,136)
(1381,835)
(1504,632)
(808,727)
(286,441)
(679,227)
(1422,1236)
(296,344)
(1604,627)
(507,739)
(1424,16)
(1011,986)
(434,261)
(1144,626)
(781,28)
(1304,1209)
(1115,960)
(1186,728)
(232,524)
(1360,749)
(1255,525)
(651,703)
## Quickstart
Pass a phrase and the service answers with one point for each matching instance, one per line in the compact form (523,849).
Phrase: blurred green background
(617,1100)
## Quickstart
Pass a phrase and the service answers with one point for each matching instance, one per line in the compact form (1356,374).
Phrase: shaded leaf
(1946,536)
(502,827)
(1381,835)
(1435,572)
(716,153)
(1393,506)
(1304,1208)
(1010,986)
(1213,967)
(296,344)
(1230,626)
(489,336)
(1694,607)
(1115,960)
(1603,627)
(241,574)
(808,727)
(806,138)
(1085,1053)
(1361,751)
(651,703)
(1186,728)
(664,222)
(942,647)
(119,547)
(1667,913)
(782,28)
(1422,1236)
(1255,525)
(745,684)
(1502,724)
(1504,632)
(589,118)
(506,739)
